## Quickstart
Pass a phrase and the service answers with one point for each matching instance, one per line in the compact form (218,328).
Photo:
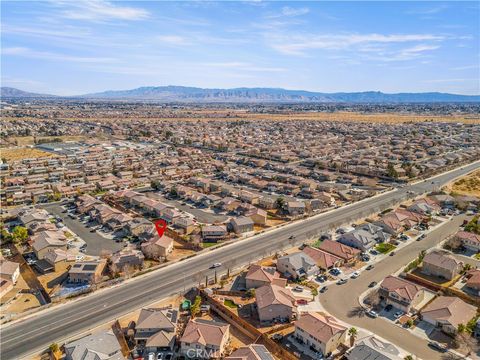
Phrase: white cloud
(99,10)
(299,44)
(29,53)
(173,39)
(288,11)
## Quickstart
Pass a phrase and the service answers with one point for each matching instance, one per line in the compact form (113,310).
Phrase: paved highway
(62,322)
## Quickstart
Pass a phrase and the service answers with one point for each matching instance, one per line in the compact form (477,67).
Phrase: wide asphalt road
(62,322)
(342,301)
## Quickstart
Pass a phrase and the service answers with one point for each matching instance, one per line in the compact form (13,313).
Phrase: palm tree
(352,332)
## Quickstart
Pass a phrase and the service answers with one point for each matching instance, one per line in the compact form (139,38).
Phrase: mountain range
(248,95)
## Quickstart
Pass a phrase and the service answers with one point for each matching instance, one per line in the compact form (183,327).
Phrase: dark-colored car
(369,267)
(372,284)
(391,253)
(437,346)
(388,307)
(323,289)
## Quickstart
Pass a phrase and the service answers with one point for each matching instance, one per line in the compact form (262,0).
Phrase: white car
(215,265)
(355,275)
(372,314)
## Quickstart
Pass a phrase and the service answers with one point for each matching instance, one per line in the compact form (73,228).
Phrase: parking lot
(202,216)
(96,243)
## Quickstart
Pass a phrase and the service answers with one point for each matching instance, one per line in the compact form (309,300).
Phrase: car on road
(323,289)
(437,346)
(369,267)
(372,284)
(342,281)
(372,313)
(355,275)
(291,237)
(421,237)
(215,265)
(391,253)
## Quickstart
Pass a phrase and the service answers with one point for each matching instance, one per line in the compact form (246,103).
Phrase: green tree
(280,202)
(250,293)
(391,171)
(408,357)
(195,308)
(19,234)
(353,333)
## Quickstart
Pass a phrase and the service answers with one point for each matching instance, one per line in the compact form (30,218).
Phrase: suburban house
(126,259)
(297,266)
(5,286)
(447,312)
(9,270)
(257,276)
(399,220)
(155,329)
(86,272)
(469,240)
(275,302)
(295,208)
(347,253)
(320,331)
(214,233)
(323,259)
(441,264)
(364,237)
(100,345)
(402,294)
(251,352)
(259,216)
(373,348)
(46,241)
(157,248)
(204,339)
(185,223)
(473,282)
(425,206)
(242,224)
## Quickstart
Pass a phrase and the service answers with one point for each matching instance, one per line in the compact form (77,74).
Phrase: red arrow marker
(161,226)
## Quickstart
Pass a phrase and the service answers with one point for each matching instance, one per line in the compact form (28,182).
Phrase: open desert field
(468,185)
(22,153)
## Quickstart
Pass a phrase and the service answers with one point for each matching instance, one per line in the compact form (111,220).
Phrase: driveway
(95,242)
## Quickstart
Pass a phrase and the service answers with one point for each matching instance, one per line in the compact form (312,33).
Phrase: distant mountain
(9,92)
(192,94)
(252,95)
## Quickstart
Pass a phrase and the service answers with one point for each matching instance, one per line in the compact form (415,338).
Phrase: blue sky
(83,46)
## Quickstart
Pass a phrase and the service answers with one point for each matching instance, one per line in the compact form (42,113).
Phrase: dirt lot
(28,140)
(23,153)
(468,185)
(51,279)
(24,301)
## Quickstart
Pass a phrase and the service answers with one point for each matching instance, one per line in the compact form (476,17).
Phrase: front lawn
(208,244)
(384,248)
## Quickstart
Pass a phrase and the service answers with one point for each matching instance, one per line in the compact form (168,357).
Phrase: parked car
(398,314)
(323,289)
(391,253)
(372,284)
(388,307)
(151,356)
(372,313)
(369,267)
(321,278)
(342,281)
(355,275)
(277,337)
(437,346)
(373,252)
(297,288)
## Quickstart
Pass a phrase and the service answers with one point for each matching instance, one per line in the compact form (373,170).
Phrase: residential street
(342,301)
(62,322)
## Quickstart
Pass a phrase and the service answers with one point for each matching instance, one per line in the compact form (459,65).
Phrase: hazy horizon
(73,48)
